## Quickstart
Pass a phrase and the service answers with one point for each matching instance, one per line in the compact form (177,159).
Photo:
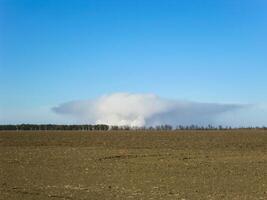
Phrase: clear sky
(53,52)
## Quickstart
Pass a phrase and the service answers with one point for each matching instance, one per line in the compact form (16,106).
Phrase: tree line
(104,127)
(54,127)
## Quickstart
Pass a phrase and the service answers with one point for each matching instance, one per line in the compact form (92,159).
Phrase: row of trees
(103,127)
(44,127)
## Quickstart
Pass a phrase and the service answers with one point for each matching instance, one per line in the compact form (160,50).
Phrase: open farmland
(133,165)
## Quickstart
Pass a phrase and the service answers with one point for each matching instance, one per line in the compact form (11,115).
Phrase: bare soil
(181,165)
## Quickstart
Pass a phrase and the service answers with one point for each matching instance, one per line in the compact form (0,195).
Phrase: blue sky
(53,52)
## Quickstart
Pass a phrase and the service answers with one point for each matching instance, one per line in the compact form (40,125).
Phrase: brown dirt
(133,165)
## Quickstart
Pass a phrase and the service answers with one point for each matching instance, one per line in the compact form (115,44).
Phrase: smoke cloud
(143,110)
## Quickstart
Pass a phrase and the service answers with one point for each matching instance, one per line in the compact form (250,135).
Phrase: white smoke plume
(143,110)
